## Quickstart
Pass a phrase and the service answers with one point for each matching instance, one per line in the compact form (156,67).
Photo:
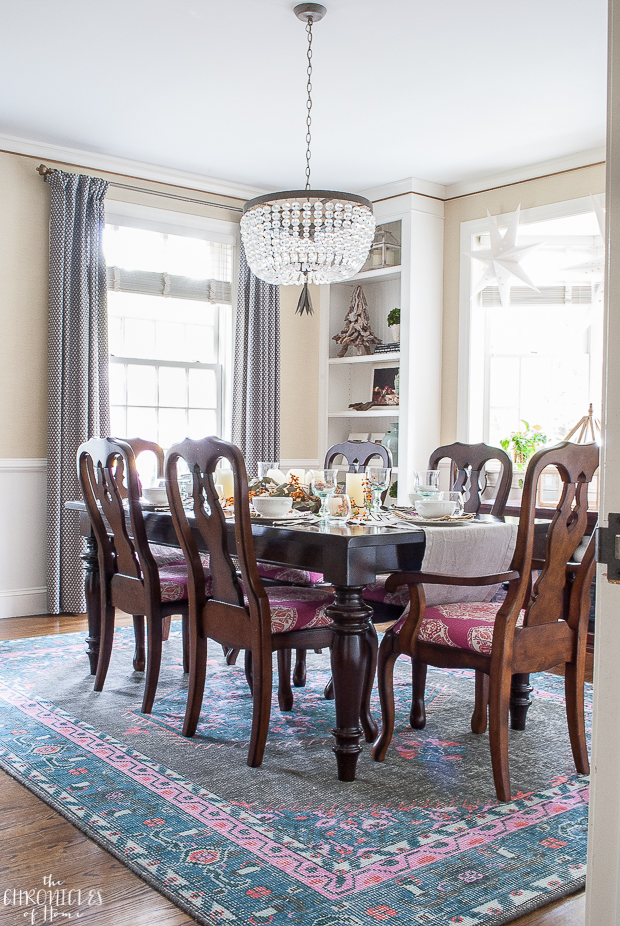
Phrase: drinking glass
(457,498)
(264,467)
(427,483)
(339,507)
(324,484)
(378,479)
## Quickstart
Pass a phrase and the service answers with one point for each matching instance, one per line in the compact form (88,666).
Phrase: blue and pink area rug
(418,839)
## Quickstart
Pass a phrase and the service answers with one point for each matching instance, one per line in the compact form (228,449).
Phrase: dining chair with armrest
(130,579)
(241,613)
(467,463)
(532,630)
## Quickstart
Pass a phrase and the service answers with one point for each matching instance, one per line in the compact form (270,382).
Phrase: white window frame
(166,221)
(472,415)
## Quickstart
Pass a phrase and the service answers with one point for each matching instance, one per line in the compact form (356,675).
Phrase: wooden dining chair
(130,579)
(467,468)
(358,455)
(241,613)
(532,630)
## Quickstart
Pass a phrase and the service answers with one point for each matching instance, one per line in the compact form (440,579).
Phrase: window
(540,358)
(170,331)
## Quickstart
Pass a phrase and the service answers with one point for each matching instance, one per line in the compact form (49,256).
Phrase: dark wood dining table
(349,557)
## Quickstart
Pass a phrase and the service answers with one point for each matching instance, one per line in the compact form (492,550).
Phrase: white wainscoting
(23,500)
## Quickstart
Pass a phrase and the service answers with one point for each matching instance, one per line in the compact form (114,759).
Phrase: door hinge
(608,547)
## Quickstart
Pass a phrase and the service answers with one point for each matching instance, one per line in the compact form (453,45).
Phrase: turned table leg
(520,700)
(351,656)
(93,601)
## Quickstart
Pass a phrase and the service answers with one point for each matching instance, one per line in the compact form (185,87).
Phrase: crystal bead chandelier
(307,236)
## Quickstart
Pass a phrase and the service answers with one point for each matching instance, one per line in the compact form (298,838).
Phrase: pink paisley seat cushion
(173,580)
(461,626)
(163,554)
(297,608)
(289,574)
(376,592)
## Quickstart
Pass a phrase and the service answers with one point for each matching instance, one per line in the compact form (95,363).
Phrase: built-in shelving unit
(416,288)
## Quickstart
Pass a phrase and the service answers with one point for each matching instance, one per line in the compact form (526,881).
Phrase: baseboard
(23,602)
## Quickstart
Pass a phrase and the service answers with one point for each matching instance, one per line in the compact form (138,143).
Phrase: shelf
(387,357)
(390,412)
(384,273)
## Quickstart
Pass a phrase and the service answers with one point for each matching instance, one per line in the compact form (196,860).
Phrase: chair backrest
(111,489)
(468,462)
(139,445)
(576,465)
(358,454)
(201,458)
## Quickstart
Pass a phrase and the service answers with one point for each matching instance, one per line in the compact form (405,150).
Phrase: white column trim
(23,464)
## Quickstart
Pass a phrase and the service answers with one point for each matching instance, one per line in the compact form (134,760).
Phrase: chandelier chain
(309,102)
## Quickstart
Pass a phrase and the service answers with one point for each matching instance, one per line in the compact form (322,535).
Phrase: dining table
(349,556)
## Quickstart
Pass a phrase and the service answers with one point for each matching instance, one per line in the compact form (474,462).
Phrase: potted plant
(523,444)
(393,321)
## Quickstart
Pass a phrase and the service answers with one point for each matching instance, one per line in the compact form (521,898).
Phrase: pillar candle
(277,476)
(355,488)
(225,478)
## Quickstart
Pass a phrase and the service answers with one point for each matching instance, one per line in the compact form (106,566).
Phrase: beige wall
(565,186)
(24,239)
(299,389)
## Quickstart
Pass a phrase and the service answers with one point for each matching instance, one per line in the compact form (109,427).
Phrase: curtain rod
(45,171)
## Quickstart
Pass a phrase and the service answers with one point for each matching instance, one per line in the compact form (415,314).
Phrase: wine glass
(427,483)
(378,480)
(324,484)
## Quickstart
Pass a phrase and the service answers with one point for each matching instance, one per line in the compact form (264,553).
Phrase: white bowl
(272,506)
(156,495)
(434,507)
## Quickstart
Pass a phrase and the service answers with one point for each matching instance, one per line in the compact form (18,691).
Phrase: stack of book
(387,348)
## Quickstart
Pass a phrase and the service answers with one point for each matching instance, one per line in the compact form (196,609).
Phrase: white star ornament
(502,259)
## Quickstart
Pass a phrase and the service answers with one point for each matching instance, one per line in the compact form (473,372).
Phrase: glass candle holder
(324,484)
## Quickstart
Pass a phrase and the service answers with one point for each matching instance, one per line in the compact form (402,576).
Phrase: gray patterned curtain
(256,384)
(79,406)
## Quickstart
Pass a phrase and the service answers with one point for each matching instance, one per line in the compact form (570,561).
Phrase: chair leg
(261,694)
(389,651)
(479,716)
(231,653)
(299,673)
(154,629)
(520,700)
(328,693)
(417,717)
(165,631)
(139,656)
(185,638)
(249,672)
(285,692)
(498,733)
(196,687)
(573,687)
(369,725)
(105,646)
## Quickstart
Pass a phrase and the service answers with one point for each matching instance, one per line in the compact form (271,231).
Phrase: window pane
(115,335)
(172,386)
(139,339)
(118,421)
(172,426)
(117,384)
(202,389)
(170,341)
(142,422)
(201,424)
(141,385)
(134,248)
(200,343)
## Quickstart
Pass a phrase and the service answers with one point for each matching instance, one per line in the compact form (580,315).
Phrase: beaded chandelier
(307,236)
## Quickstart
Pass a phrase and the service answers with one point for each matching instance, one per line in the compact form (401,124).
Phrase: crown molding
(128,168)
(402,187)
(23,465)
(528,172)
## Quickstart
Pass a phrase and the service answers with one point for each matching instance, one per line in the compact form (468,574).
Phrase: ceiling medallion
(307,236)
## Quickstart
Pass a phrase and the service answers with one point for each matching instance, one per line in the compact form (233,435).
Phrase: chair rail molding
(23,498)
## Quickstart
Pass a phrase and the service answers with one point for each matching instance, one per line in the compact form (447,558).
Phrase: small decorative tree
(356,332)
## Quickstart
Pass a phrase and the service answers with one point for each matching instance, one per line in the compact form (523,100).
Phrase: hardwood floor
(38,843)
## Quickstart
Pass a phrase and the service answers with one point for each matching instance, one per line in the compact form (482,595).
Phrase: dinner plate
(293,516)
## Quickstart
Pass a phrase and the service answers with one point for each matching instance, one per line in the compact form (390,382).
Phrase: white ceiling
(442,90)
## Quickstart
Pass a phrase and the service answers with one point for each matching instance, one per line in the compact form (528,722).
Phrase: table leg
(93,601)
(350,655)
(520,700)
